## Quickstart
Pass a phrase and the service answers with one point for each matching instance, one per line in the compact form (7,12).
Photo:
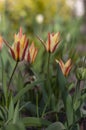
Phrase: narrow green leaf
(61,79)
(4,112)
(11,110)
(16,113)
(77,97)
(69,110)
(67,100)
(37,122)
(77,104)
(1,115)
(62,82)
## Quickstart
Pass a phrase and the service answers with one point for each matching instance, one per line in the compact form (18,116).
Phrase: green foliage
(56,126)
(36,122)
(39,95)
(67,99)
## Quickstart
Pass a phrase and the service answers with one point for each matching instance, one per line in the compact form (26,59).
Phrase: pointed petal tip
(20,32)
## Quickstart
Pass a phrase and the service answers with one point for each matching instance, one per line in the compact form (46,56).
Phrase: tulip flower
(19,46)
(31,53)
(65,67)
(1,42)
(52,42)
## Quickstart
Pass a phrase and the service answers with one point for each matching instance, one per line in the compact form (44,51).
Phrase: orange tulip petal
(18,51)
(12,53)
(20,33)
(34,54)
(49,41)
(24,51)
(68,70)
(68,63)
(54,48)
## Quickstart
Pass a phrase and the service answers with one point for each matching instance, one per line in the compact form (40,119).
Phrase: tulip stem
(78,86)
(45,107)
(37,108)
(48,63)
(12,74)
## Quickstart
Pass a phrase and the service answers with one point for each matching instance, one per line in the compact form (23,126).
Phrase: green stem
(48,63)
(77,93)
(43,113)
(12,75)
(78,86)
(37,109)
(49,85)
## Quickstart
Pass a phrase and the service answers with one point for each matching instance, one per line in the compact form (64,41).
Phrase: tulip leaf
(36,122)
(4,112)
(11,126)
(67,99)
(77,97)
(11,110)
(16,113)
(61,81)
(56,126)
(69,109)
(1,115)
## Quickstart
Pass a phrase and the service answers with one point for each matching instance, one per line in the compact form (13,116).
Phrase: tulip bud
(65,67)
(81,73)
(52,42)
(19,47)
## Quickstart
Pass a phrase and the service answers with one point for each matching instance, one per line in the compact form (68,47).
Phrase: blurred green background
(38,17)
